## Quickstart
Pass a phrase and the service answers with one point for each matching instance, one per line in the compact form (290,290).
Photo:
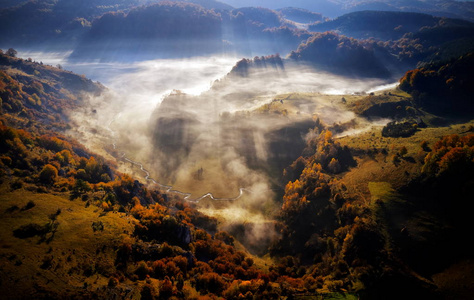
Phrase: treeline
(392,40)
(61,23)
(331,237)
(245,66)
(462,10)
(446,172)
(382,44)
(51,162)
(114,30)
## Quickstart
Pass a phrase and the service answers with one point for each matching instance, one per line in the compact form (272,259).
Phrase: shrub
(424,146)
(404,129)
(211,282)
(97,226)
(29,230)
(113,282)
(402,151)
(17,184)
(142,270)
(49,174)
(29,205)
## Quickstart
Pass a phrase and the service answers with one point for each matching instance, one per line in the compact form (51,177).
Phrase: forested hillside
(340,54)
(61,24)
(385,25)
(443,87)
(37,94)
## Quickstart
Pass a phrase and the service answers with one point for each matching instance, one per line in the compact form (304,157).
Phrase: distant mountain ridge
(300,15)
(335,8)
(385,25)
(259,31)
(121,31)
(60,23)
(182,29)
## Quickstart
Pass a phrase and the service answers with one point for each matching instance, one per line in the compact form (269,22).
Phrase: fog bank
(199,128)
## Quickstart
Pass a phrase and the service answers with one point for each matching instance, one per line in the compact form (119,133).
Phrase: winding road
(168,188)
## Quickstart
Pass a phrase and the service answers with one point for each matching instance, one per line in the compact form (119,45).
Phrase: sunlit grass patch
(64,258)
(382,191)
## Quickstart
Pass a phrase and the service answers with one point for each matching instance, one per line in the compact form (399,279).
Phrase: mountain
(382,44)
(178,29)
(452,9)
(326,7)
(402,40)
(157,28)
(122,30)
(52,23)
(207,4)
(385,25)
(335,8)
(61,24)
(362,195)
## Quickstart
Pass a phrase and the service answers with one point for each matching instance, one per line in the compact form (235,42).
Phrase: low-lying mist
(229,122)
(223,140)
(200,128)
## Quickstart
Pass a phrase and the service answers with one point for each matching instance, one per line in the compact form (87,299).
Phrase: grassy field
(74,258)
(379,157)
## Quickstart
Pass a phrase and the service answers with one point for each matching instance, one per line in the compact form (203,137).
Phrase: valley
(203,149)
